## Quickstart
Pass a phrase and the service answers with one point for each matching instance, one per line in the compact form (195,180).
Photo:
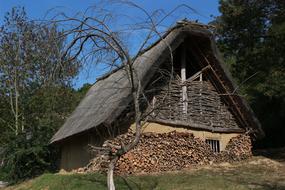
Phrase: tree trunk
(136,92)
(16,104)
(110,176)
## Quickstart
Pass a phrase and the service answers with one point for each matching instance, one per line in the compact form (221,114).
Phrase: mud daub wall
(176,151)
(223,138)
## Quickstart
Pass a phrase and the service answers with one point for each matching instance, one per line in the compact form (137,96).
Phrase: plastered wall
(224,138)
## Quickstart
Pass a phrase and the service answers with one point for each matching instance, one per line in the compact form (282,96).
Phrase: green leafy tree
(36,94)
(251,34)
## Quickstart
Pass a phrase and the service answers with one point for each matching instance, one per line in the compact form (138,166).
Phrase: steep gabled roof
(111,94)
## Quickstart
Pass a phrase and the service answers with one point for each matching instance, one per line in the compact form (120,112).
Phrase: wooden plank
(197,75)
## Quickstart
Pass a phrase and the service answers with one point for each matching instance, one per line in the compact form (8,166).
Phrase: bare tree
(97,38)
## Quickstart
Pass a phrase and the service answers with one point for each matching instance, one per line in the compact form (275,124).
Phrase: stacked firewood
(169,151)
(164,152)
(239,148)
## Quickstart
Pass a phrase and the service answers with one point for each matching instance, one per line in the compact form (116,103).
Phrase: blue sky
(37,9)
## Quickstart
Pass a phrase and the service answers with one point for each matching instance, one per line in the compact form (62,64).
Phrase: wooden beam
(237,111)
(197,75)
(201,77)
(196,126)
(213,79)
(183,79)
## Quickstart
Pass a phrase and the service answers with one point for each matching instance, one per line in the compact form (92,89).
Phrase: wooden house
(198,96)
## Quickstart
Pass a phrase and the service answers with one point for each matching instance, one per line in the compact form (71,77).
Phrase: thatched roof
(111,94)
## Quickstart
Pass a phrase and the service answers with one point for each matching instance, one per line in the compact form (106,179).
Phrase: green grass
(242,176)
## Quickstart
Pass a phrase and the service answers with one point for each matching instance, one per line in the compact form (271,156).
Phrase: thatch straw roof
(111,94)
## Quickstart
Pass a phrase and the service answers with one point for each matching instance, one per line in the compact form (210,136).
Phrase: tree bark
(124,149)
(16,104)
(110,175)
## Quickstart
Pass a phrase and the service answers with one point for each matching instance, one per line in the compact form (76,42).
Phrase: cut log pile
(239,148)
(164,152)
(170,151)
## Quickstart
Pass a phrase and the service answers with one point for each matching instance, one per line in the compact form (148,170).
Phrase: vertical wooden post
(183,78)
(200,97)
(153,105)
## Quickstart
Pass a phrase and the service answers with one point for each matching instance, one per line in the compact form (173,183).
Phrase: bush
(25,158)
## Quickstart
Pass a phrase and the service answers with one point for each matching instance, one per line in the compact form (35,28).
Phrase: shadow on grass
(260,185)
(94,179)
(122,182)
(132,185)
(128,184)
(265,186)
(277,154)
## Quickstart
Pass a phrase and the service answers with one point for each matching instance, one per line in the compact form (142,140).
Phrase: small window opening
(214,144)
